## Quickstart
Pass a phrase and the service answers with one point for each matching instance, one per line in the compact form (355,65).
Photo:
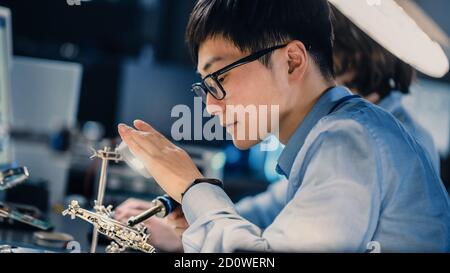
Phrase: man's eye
(222,79)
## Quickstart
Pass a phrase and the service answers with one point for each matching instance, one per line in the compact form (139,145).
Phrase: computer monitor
(5,61)
(45,94)
(44,99)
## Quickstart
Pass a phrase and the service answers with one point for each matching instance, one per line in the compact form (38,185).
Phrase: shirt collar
(322,107)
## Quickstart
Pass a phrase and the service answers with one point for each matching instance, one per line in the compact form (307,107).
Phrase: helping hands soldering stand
(105,155)
(124,236)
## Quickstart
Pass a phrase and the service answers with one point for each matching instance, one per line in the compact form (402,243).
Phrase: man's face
(249,87)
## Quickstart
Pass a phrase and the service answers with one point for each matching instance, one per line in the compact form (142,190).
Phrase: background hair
(258,24)
(373,68)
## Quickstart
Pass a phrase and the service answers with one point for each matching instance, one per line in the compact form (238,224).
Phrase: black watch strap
(213,181)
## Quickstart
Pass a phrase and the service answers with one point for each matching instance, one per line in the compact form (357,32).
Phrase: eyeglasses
(211,83)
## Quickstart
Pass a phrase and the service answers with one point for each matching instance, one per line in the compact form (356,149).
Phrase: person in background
(373,72)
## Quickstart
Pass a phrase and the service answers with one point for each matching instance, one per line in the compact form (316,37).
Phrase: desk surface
(79,229)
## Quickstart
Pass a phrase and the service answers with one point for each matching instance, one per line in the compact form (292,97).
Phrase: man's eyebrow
(210,62)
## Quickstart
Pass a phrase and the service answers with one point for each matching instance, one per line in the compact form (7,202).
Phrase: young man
(369,70)
(355,174)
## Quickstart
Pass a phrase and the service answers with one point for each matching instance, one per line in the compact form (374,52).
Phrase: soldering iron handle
(169,204)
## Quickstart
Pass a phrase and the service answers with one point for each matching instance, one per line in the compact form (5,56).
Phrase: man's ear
(297,58)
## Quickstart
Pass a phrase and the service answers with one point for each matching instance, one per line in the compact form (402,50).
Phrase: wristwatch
(11,177)
(213,181)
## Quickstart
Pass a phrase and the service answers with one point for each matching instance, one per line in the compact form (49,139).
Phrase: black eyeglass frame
(215,75)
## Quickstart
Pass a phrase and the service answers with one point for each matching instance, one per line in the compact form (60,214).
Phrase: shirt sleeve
(334,209)
(262,208)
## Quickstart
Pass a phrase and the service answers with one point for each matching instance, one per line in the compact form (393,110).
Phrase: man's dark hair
(375,69)
(253,25)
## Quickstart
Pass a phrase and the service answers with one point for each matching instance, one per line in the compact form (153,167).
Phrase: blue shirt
(354,176)
(264,207)
(393,104)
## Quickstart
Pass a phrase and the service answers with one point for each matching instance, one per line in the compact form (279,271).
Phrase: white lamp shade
(390,26)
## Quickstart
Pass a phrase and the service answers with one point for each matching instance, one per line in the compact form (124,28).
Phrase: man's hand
(165,233)
(131,207)
(171,166)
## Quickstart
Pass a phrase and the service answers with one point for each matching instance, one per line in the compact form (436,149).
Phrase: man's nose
(214,106)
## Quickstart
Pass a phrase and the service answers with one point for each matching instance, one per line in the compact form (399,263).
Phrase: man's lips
(230,125)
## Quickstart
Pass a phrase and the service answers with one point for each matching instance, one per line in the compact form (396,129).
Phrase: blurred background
(80,68)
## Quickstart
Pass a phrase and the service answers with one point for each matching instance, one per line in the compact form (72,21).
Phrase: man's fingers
(126,133)
(134,204)
(129,205)
(124,216)
(127,213)
(118,214)
(181,222)
(170,165)
(150,142)
(176,213)
(147,141)
(157,136)
(143,126)
(137,144)
(124,130)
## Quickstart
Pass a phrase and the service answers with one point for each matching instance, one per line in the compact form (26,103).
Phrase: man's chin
(245,144)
